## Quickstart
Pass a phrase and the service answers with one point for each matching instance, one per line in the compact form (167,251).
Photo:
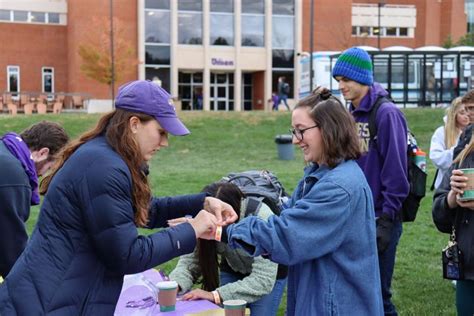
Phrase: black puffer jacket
(444,217)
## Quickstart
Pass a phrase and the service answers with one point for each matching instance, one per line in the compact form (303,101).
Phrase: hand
(198,294)
(384,232)
(204,225)
(458,183)
(176,221)
(224,213)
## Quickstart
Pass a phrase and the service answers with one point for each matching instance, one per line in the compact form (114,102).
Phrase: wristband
(217,298)
(218,235)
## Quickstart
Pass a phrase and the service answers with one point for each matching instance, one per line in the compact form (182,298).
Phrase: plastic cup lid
(234,304)
(167,285)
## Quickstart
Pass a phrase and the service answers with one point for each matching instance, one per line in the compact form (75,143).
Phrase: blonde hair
(465,152)
(451,131)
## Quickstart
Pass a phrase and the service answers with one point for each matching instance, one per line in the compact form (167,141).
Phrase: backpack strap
(253,205)
(373,116)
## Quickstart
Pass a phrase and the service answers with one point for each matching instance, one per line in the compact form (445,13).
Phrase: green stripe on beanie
(356,61)
(354,64)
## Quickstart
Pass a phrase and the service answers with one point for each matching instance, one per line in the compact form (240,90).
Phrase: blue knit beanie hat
(354,64)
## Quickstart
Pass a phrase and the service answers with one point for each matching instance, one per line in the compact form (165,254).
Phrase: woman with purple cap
(97,194)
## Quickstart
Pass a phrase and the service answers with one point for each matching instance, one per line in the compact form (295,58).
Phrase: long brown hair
(206,249)
(114,126)
(338,130)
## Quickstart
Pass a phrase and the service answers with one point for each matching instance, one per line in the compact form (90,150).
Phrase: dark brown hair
(45,134)
(338,129)
(468,98)
(206,249)
(115,127)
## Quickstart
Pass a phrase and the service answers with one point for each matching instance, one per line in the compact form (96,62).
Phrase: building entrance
(222,92)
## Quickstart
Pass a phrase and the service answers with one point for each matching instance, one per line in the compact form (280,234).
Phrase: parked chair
(28,108)
(77,102)
(11,106)
(58,104)
(41,108)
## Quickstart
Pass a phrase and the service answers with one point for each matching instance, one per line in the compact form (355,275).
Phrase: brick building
(210,54)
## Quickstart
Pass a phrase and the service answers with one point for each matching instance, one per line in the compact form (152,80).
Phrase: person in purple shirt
(384,162)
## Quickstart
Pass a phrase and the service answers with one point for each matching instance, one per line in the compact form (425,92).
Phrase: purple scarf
(18,148)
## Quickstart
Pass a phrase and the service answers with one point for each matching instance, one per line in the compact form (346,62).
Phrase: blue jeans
(268,304)
(284,98)
(386,266)
(464,295)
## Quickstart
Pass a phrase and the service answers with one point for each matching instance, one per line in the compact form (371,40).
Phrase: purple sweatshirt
(385,164)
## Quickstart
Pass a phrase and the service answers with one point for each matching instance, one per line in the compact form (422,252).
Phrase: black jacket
(444,218)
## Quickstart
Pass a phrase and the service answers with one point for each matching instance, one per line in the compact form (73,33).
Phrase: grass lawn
(224,142)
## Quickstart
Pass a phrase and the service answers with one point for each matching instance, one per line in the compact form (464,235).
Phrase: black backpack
(286,88)
(259,186)
(416,176)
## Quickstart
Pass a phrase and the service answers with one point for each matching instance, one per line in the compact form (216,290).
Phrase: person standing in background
(454,216)
(283,91)
(445,138)
(383,161)
(23,158)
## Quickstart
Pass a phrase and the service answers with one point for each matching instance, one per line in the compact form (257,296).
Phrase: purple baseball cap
(143,96)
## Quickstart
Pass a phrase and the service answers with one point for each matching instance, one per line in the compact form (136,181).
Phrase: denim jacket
(326,235)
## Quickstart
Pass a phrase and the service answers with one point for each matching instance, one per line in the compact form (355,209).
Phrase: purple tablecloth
(136,288)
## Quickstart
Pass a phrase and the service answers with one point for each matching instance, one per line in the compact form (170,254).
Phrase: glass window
(283,7)
(190,90)
(13,73)
(48,80)
(364,31)
(157,4)
(253,30)
(354,30)
(283,58)
(375,31)
(4,15)
(391,31)
(157,26)
(282,32)
(222,6)
(288,79)
(20,16)
(403,31)
(38,17)
(253,6)
(157,55)
(159,75)
(190,28)
(222,29)
(187,5)
(53,18)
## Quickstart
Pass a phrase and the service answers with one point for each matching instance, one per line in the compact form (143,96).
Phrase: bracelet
(218,235)
(217,298)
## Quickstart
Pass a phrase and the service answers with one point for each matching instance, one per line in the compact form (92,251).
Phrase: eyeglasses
(298,133)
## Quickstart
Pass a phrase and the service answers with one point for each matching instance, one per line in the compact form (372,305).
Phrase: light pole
(311,39)
(112,61)
(380,4)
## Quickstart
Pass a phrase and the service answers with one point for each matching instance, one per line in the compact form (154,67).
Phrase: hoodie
(384,163)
